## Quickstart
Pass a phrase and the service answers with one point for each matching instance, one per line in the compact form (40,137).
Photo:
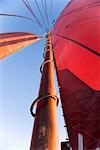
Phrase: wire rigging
(42,4)
(45,19)
(14,15)
(44,8)
(51,4)
(46,12)
(41,14)
(32,12)
(50,14)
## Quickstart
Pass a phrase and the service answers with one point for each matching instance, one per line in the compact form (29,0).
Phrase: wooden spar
(45,131)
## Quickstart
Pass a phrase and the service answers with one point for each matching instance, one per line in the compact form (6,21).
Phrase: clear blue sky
(20,78)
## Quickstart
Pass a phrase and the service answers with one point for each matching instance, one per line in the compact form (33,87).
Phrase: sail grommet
(55,97)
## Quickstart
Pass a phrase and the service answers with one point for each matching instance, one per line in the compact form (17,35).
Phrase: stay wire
(41,14)
(51,5)
(46,12)
(43,9)
(31,11)
(43,5)
(14,15)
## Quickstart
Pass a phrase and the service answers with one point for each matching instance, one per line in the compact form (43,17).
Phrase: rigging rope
(14,15)
(51,4)
(42,4)
(35,19)
(41,14)
(46,12)
(31,11)
(50,8)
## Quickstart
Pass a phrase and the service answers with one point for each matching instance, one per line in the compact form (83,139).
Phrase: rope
(14,15)
(42,98)
(42,4)
(51,5)
(46,12)
(41,14)
(50,9)
(32,12)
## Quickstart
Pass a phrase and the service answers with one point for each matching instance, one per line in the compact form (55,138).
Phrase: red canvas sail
(14,41)
(76,43)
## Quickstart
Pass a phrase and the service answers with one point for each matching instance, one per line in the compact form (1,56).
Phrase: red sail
(76,42)
(14,41)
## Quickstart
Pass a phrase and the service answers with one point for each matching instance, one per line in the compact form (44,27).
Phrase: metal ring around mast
(41,98)
(48,61)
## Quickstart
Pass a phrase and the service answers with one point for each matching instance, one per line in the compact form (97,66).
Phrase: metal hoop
(41,98)
(45,53)
(48,61)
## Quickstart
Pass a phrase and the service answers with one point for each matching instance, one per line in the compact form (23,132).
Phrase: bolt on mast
(45,130)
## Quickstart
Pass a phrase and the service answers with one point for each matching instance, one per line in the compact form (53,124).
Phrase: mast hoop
(45,53)
(42,66)
(55,97)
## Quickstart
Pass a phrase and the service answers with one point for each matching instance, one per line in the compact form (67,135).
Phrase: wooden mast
(45,131)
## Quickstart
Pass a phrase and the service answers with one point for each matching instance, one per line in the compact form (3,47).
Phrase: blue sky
(20,78)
